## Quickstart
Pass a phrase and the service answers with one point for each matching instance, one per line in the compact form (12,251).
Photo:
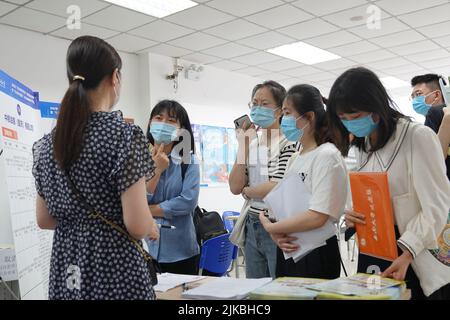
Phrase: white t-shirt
(324,173)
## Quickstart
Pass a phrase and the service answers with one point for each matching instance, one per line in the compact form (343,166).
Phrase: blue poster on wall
(49,110)
(216,149)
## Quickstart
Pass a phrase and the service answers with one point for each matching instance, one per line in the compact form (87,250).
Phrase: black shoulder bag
(152,264)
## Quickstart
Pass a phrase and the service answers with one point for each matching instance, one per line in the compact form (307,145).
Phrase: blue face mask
(420,106)
(262,116)
(290,130)
(361,127)
(163,132)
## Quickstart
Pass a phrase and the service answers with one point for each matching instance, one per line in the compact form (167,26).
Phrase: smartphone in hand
(239,123)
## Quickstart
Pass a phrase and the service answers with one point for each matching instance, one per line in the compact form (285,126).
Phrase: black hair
(431,80)
(176,110)
(277,90)
(360,90)
(306,98)
(93,59)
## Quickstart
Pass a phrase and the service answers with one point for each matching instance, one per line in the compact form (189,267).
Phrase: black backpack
(207,224)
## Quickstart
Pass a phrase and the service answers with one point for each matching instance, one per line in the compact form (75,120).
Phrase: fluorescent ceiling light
(304,53)
(155,8)
(393,83)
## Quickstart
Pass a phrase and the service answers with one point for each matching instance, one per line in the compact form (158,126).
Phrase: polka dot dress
(90,260)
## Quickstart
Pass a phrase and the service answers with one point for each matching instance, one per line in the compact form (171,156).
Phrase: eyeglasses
(252,105)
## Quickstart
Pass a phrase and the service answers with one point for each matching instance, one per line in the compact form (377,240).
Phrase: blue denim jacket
(178,200)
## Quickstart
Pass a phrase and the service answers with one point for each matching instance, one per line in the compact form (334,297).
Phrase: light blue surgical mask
(262,116)
(361,127)
(420,106)
(290,130)
(163,132)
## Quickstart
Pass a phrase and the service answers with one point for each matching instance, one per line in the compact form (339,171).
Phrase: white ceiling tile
(235,30)
(273,76)
(60,7)
(443,70)
(387,26)
(201,58)
(409,68)
(399,7)
(33,20)
(6,7)
(197,41)
(372,56)
(153,31)
(443,41)
(427,16)
(229,50)
(335,64)
(267,40)
(251,71)
(280,65)
(396,39)
(301,72)
(199,17)
(333,39)
(428,55)
(129,43)
(354,48)
(241,8)
(308,29)
(169,51)
(118,18)
(346,19)
(279,17)
(415,47)
(340,71)
(389,63)
(86,30)
(436,30)
(319,8)
(321,76)
(257,58)
(433,64)
(228,65)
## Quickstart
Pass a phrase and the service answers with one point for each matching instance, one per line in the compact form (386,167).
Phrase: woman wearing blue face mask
(323,179)
(259,166)
(387,141)
(172,198)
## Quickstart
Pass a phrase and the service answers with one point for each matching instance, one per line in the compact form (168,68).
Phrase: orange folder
(371,197)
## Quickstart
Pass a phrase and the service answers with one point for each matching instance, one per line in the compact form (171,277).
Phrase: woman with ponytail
(93,160)
(321,170)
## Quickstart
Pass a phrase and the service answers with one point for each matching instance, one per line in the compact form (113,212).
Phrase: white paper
(167,281)
(226,289)
(291,197)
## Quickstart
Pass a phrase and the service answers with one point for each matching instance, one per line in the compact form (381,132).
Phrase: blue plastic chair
(229,224)
(217,255)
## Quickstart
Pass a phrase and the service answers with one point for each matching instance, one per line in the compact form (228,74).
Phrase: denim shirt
(178,199)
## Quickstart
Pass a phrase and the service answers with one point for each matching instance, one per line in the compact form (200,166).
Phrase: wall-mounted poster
(216,149)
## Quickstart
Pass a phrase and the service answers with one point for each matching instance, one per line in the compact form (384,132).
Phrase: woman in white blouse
(387,141)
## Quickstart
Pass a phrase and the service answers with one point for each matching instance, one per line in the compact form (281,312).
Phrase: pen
(162,226)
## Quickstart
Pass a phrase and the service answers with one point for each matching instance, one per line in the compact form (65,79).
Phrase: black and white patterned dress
(90,260)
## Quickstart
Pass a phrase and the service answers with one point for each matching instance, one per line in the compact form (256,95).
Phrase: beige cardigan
(420,193)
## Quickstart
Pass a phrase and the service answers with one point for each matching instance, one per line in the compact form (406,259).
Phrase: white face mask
(117,96)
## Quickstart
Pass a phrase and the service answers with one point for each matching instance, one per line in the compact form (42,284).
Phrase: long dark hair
(360,90)
(306,98)
(176,110)
(94,60)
